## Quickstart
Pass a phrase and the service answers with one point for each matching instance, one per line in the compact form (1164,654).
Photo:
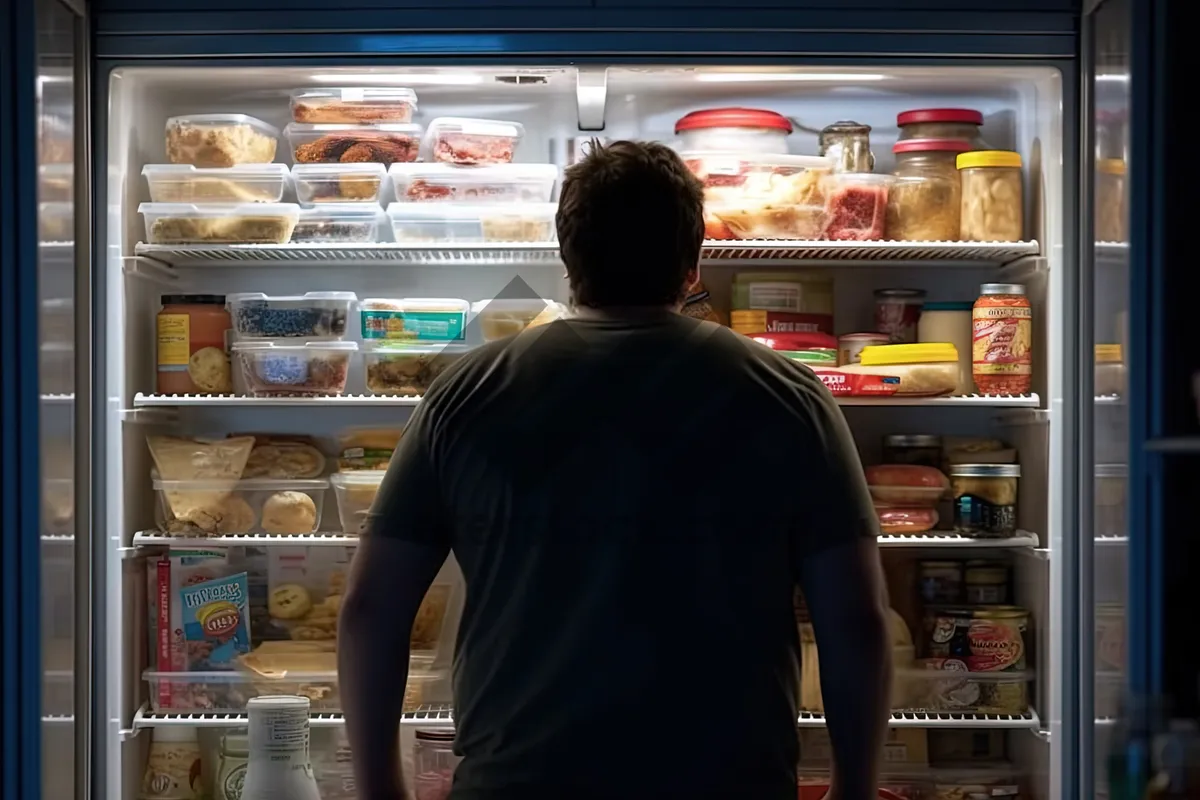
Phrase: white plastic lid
(715,158)
(539,210)
(533,304)
(246,297)
(863,178)
(428,212)
(373,170)
(285,349)
(323,128)
(238,172)
(381,95)
(365,477)
(344,212)
(486,173)
(477,127)
(221,209)
(397,347)
(448,304)
(218,120)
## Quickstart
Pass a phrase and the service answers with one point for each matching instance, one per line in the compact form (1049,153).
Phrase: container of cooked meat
(354,105)
(505,317)
(245,223)
(499,183)
(245,183)
(312,316)
(355,492)
(338,183)
(906,520)
(750,130)
(282,368)
(396,368)
(473,223)
(344,223)
(255,505)
(414,320)
(906,485)
(856,206)
(469,141)
(220,140)
(353,144)
(919,370)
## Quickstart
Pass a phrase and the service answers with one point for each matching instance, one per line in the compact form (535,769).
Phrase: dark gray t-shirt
(628,498)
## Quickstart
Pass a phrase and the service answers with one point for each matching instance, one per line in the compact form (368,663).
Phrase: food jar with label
(898,312)
(750,130)
(847,145)
(985,499)
(924,203)
(191,345)
(1002,340)
(1111,204)
(950,322)
(920,449)
(173,770)
(231,773)
(434,762)
(992,209)
(941,581)
(851,345)
(942,123)
(985,583)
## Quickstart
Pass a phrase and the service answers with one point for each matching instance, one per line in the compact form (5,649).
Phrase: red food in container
(460,140)
(904,520)
(906,485)
(856,206)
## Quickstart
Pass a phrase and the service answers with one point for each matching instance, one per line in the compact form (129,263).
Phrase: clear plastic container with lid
(414,320)
(747,130)
(314,316)
(220,140)
(284,369)
(469,141)
(338,183)
(992,206)
(505,317)
(473,223)
(397,368)
(493,183)
(342,222)
(924,202)
(942,123)
(353,144)
(245,223)
(250,505)
(355,493)
(951,322)
(921,370)
(245,183)
(434,763)
(856,206)
(354,104)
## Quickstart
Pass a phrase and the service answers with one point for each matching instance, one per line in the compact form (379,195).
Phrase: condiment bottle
(847,145)
(173,769)
(279,767)
(1002,340)
(231,774)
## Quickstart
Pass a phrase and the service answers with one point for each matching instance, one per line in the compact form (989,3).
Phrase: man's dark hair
(630,225)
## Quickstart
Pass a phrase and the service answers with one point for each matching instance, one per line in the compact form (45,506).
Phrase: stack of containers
(343,141)
(220,186)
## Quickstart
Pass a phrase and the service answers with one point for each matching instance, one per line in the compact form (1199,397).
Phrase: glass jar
(192,357)
(985,499)
(924,202)
(1002,340)
(231,772)
(986,583)
(897,313)
(1109,370)
(920,449)
(738,130)
(434,762)
(1111,206)
(941,581)
(992,209)
(847,145)
(173,770)
(942,123)
(950,322)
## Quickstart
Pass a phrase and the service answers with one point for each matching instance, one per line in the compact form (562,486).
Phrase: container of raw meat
(856,206)
(462,140)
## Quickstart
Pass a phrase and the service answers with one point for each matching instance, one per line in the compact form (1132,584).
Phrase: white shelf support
(591,95)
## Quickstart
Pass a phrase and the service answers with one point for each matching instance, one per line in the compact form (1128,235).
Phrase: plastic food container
(924,202)
(354,105)
(406,370)
(906,485)
(856,206)
(921,370)
(255,505)
(946,686)
(220,140)
(942,123)
(464,140)
(750,130)
(507,183)
(903,521)
(472,224)
(247,223)
(434,763)
(338,183)
(281,368)
(951,322)
(245,183)
(502,317)
(341,222)
(416,320)
(313,316)
(353,144)
(992,209)
(56,222)
(355,493)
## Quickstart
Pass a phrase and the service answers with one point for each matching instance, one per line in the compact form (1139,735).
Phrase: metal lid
(732,118)
(193,299)
(432,735)
(912,440)
(843,127)
(985,470)
(1002,288)
(899,292)
(931,146)
(966,115)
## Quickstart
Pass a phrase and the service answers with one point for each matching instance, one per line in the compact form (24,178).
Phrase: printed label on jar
(997,645)
(975,516)
(174,342)
(417,326)
(1002,340)
(231,785)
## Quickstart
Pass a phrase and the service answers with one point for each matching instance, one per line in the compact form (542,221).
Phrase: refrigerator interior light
(754,77)
(401,79)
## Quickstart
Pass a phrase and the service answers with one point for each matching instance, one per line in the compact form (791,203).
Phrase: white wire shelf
(160,539)
(961,401)
(145,718)
(499,253)
(922,719)
(935,539)
(1110,540)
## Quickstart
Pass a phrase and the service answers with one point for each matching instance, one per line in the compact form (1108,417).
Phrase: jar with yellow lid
(992,208)
(1112,213)
(1109,370)
(929,369)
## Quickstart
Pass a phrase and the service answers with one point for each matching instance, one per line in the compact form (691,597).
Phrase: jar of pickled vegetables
(992,209)
(923,203)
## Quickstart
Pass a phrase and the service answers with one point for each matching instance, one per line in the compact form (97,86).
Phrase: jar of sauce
(192,356)
(1002,340)
(231,773)
(986,583)
(942,123)
(950,322)
(897,312)
(921,449)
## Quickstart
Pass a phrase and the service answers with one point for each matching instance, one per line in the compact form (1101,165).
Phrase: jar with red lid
(942,123)
(742,130)
(924,203)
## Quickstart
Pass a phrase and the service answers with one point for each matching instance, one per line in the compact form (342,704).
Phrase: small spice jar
(847,145)
(985,499)
(924,203)
(921,449)
(992,209)
(941,581)
(942,123)
(985,583)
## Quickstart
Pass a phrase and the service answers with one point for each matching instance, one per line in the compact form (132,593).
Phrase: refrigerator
(1050,84)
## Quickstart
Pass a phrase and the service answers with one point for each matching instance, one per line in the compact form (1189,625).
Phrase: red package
(797,340)
(843,384)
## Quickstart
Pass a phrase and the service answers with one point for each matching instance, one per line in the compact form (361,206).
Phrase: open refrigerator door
(294,254)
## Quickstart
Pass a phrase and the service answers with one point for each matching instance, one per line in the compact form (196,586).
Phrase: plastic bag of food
(217,465)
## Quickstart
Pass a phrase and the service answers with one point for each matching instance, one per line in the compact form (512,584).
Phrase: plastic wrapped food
(256,505)
(415,320)
(367,448)
(906,485)
(405,370)
(220,140)
(502,317)
(245,183)
(355,493)
(338,183)
(992,209)
(284,458)
(905,521)
(467,224)
(209,471)
(462,140)
(856,206)
(350,223)
(843,382)
(354,105)
(248,223)
(493,183)
(312,316)
(919,370)
(353,144)
(271,369)
(944,685)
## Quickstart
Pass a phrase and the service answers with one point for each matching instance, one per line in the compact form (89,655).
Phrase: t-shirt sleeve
(409,504)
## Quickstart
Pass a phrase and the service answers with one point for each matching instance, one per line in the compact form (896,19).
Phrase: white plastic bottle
(279,767)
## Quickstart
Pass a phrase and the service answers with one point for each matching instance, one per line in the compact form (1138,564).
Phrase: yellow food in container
(922,370)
